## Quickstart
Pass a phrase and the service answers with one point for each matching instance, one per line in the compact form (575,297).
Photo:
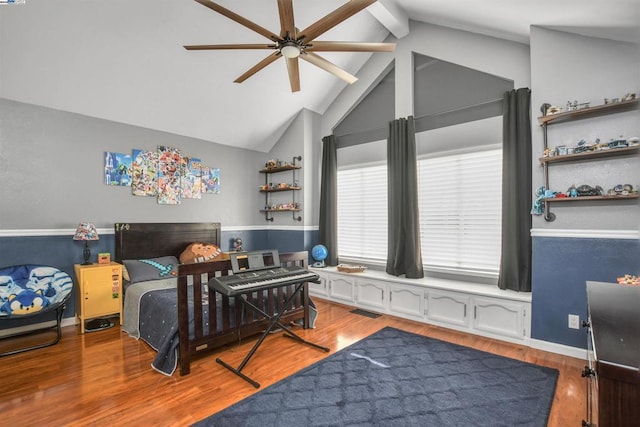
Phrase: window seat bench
(475,308)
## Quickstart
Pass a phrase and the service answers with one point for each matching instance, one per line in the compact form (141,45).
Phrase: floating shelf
(281,169)
(275,190)
(292,167)
(583,113)
(588,198)
(589,155)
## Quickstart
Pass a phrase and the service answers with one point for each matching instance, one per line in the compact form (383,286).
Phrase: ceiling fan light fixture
(291,50)
(292,43)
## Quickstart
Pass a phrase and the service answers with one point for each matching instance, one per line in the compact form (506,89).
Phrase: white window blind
(362,214)
(460,201)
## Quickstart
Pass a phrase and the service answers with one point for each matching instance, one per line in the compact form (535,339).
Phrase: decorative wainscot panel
(480,309)
(341,288)
(407,301)
(499,317)
(448,308)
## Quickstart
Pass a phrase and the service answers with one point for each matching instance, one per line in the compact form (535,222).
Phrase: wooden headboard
(152,240)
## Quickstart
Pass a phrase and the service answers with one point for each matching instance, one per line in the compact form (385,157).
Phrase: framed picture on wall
(117,169)
(169,188)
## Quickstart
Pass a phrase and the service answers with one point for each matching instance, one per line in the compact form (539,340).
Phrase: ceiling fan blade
(294,74)
(342,13)
(325,46)
(259,66)
(230,46)
(328,66)
(239,19)
(287,25)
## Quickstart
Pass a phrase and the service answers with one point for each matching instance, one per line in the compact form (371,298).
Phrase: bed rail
(222,324)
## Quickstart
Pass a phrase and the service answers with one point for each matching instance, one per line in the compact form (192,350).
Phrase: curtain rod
(461,108)
(424,117)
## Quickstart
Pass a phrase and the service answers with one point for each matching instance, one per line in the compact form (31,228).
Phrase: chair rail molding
(586,234)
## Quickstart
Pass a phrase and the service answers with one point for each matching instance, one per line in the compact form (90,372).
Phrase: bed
(174,311)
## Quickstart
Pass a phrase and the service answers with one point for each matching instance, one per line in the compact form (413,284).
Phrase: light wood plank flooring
(104,378)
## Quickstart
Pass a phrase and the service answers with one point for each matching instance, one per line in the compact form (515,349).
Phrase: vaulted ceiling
(123,60)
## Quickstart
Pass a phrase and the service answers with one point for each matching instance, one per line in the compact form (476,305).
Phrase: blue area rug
(397,378)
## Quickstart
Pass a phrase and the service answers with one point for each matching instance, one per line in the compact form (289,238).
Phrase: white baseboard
(578,353)
(67,321)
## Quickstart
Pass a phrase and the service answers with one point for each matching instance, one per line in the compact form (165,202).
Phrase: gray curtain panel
(515,264)
(328,200)
(403,255)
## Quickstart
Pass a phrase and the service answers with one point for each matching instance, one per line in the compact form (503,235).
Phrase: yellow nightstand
(99,291)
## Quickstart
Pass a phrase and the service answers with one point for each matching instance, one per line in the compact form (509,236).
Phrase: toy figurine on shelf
(237,244)
(629,280)
(541,193)
(554,109)
(618,143)
(621,190)
(587,190)
(544,107)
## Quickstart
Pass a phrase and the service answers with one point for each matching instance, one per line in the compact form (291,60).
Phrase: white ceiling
(123,60)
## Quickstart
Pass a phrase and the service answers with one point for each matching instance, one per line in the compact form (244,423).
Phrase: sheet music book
(244,262)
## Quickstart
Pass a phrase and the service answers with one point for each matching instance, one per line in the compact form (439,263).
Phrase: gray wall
(567,67)
(302,138)
(51,170)
(502,58)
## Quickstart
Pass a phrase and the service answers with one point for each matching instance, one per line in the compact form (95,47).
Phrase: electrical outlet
(574,321)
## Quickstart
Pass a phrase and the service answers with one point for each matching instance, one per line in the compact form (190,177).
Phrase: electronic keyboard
(260,280)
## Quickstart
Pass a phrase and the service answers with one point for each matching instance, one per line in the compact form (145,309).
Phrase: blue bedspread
(151,314)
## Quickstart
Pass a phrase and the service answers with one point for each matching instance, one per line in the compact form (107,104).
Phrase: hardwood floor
(104,378)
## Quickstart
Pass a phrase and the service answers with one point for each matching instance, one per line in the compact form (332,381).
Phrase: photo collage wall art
(164,174)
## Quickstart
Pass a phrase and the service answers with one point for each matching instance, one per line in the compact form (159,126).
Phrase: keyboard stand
(274,321)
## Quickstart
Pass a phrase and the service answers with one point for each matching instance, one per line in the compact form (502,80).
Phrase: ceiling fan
(293,44)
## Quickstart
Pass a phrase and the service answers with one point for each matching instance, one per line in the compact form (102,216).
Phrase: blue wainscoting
(561,268)
(62,252)
(57,251)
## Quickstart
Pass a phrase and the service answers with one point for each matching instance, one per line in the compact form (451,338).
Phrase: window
(460,202)
(362,214)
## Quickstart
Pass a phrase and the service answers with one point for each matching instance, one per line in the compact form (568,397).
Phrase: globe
(319,253)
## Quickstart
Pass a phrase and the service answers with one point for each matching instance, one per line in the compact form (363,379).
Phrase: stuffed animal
(200,252)
(25,302)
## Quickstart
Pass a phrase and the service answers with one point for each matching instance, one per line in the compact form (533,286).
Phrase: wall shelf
(280,210)
(590,155)
(275,190)
(269,188)
(283,168)
(589,198)
(584,113)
